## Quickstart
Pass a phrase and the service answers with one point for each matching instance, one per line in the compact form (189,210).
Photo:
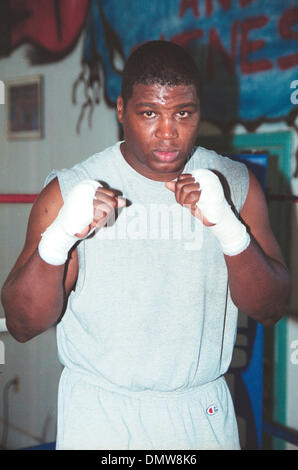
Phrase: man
(147,317)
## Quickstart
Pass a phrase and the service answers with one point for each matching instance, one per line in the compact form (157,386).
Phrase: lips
(166,155)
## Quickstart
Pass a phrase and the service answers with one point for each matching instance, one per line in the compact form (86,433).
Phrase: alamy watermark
(294,94)
(2,353)
(294,353)
(155,222)
(2,92)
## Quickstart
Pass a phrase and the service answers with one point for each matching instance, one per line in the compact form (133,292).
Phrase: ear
(120,108)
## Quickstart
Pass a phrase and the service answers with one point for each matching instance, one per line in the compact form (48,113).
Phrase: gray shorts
(96,417)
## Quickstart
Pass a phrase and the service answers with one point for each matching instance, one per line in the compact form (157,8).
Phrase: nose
(166,129)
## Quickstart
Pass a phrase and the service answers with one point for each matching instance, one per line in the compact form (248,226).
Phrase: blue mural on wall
(246,51)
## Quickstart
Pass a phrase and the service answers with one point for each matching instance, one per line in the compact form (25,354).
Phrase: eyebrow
(144,104)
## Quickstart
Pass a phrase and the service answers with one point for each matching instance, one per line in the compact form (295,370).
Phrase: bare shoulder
(255,215)
(44,211)
(255,200)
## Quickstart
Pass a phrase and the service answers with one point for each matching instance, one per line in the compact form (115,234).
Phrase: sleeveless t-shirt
(151,309)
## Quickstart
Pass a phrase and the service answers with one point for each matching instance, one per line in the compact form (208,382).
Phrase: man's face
(160,125)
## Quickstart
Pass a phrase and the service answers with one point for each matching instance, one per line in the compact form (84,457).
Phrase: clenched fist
(202,192)
(187,193)
(105,202)
(86,207)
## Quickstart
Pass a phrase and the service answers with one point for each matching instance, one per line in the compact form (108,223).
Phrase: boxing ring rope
(17,198)
(281,197)
(30,198)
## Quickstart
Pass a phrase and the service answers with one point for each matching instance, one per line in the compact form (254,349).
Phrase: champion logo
(212,410)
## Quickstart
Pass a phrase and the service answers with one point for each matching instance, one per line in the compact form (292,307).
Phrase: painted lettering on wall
(246,51)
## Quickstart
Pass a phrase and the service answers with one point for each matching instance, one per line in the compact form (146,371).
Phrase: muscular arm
(37,288)
(35,292)
(258,277)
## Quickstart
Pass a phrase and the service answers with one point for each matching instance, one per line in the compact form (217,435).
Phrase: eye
(149,114)
(183,114)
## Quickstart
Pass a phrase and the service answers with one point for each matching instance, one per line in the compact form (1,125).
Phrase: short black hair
(162,62)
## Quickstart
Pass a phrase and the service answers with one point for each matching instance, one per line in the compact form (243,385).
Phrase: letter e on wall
(294,94)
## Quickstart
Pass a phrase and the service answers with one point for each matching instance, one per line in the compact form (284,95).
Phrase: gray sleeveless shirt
(151,309)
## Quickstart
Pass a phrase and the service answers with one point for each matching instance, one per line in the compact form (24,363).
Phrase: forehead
(163,94)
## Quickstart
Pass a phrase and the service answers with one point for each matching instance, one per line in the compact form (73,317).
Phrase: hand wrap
(74,216)
(228,229)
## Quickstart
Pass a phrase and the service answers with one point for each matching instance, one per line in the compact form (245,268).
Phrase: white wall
(23,168)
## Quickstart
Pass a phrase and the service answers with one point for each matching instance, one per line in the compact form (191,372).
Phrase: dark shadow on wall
(219,89)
